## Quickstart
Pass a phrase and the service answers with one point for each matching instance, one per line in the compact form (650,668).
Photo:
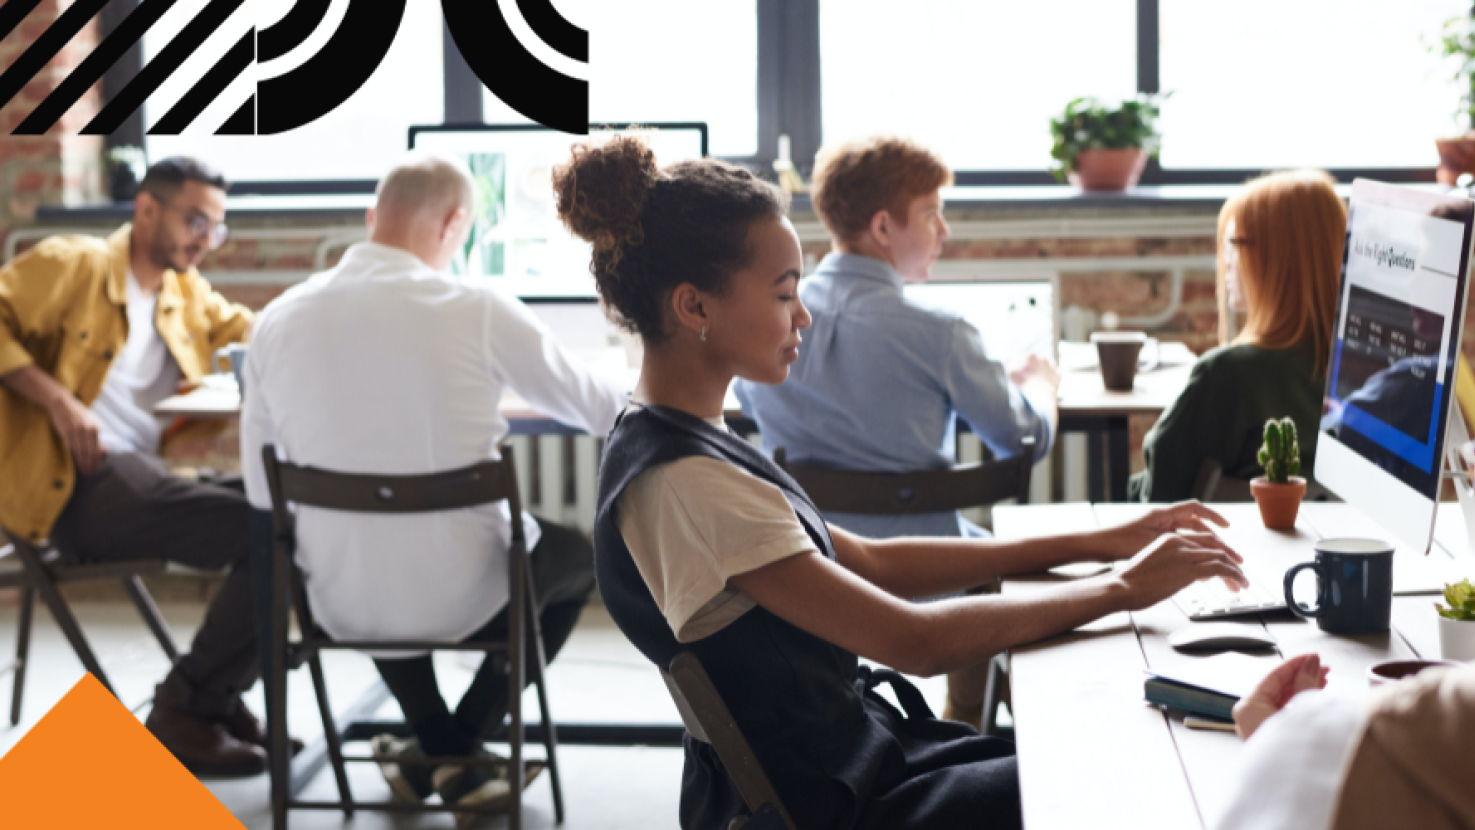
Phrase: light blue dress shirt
(879,384)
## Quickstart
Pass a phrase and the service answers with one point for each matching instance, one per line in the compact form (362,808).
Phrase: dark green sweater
(1231,393)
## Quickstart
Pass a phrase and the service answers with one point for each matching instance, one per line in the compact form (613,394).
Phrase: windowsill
(976,198)
(336,206)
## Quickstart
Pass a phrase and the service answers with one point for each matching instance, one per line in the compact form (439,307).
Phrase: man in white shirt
(387,364)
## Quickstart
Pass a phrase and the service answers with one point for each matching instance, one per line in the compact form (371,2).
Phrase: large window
(662,60)
(1328,83)
(358,140)
(1343,84)
(977,81)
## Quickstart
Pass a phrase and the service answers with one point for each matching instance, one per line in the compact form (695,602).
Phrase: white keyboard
(1212,599)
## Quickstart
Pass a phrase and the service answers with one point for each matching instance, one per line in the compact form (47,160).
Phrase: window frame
(789,103)
(786,28)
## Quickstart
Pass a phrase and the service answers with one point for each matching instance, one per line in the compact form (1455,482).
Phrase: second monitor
(517,238)
(1400,313)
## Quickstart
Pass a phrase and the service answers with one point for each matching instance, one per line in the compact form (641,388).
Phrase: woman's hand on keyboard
(1174,560)
(1124,541)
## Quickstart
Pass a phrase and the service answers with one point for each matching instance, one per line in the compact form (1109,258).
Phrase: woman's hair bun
(601,191)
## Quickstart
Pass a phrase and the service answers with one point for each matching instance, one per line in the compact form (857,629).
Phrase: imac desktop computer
(1389,407)
(517,242)
(516,239)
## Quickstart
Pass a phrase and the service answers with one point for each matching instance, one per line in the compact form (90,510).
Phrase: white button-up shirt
(384,365)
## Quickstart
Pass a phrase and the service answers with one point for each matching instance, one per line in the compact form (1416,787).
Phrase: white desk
(1085,406)
(1092,753)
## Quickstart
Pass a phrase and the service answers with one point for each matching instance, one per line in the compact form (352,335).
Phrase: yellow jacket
(63,308)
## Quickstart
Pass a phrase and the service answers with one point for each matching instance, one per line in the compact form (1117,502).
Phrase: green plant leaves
(1460,597)
(1089,124)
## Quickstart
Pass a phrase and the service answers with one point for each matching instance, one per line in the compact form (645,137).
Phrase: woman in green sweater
(1280,260)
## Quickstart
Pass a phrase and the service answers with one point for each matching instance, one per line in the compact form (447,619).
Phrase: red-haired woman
(1280,262)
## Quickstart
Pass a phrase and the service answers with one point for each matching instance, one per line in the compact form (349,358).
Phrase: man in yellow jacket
(93,334)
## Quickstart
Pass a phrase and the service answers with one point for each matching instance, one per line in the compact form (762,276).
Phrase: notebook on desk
(1208,685)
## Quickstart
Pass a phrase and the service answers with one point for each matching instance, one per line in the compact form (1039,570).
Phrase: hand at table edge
(1297,674)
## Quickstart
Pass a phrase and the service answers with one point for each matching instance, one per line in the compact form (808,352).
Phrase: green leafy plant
(1089,124)
(1280,455)
(1456,47)
(1461,599)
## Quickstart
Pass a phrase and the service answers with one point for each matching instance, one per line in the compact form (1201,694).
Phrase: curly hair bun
(600,192)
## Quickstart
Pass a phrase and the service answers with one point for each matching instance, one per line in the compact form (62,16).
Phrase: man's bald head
(424,182)
(424,205)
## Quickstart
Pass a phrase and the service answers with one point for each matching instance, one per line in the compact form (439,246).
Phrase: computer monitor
(517,239)
(1396,341)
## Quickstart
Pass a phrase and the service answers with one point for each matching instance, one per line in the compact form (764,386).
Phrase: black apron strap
(910,698)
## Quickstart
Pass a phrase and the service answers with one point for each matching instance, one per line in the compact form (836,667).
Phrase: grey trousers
(134,508)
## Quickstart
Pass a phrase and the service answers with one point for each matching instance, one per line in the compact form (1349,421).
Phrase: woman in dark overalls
(703,544)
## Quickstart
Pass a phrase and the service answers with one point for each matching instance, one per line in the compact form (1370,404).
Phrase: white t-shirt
(141,376)
(383,365)
(693,524)
(1292,768)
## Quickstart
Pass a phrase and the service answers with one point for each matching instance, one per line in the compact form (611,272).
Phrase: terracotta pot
(1108,169)
(1279,503)
(1456,156)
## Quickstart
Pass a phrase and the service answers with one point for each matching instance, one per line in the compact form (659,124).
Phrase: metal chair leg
(22,650)
(517,603)
(57,605)
(540,668)
(993,694)
(309,629)
(150,613)
(331,734)
(280,760)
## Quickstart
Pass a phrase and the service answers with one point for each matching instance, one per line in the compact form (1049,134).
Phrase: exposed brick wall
(60,167)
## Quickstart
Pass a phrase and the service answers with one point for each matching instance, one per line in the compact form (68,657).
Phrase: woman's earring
(704,334)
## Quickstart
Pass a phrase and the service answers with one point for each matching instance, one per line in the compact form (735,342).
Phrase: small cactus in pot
(1280,490)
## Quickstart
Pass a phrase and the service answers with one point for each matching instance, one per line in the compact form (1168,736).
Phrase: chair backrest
(708,720)
(922,491)
(483,483)
(1211,485)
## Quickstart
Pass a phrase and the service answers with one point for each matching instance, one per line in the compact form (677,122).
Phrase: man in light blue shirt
(881,381)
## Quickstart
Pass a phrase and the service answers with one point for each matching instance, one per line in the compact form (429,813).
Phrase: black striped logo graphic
(311,90)
(514,74)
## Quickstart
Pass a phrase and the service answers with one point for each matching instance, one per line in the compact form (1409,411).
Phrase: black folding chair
(925,491)
(484,483)
(708,720)
(41,571)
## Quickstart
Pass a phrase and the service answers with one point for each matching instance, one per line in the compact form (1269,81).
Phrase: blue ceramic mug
(1354,586)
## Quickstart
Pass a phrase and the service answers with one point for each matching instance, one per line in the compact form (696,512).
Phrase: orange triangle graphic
(90,763)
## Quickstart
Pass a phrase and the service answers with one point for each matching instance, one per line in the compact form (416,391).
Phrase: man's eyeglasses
(200,227)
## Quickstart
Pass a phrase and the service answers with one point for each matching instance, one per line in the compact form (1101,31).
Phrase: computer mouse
(1220,636)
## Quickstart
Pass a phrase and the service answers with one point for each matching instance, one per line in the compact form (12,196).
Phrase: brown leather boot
(243,725)
(203,746)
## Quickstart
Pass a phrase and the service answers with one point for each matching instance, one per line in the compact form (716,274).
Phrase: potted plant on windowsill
(1456,47)
(1097,147)
(1457,622)
(1280,490)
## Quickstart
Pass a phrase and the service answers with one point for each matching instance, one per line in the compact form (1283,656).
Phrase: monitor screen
(1016,318)
(517,238)
(1400,312)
